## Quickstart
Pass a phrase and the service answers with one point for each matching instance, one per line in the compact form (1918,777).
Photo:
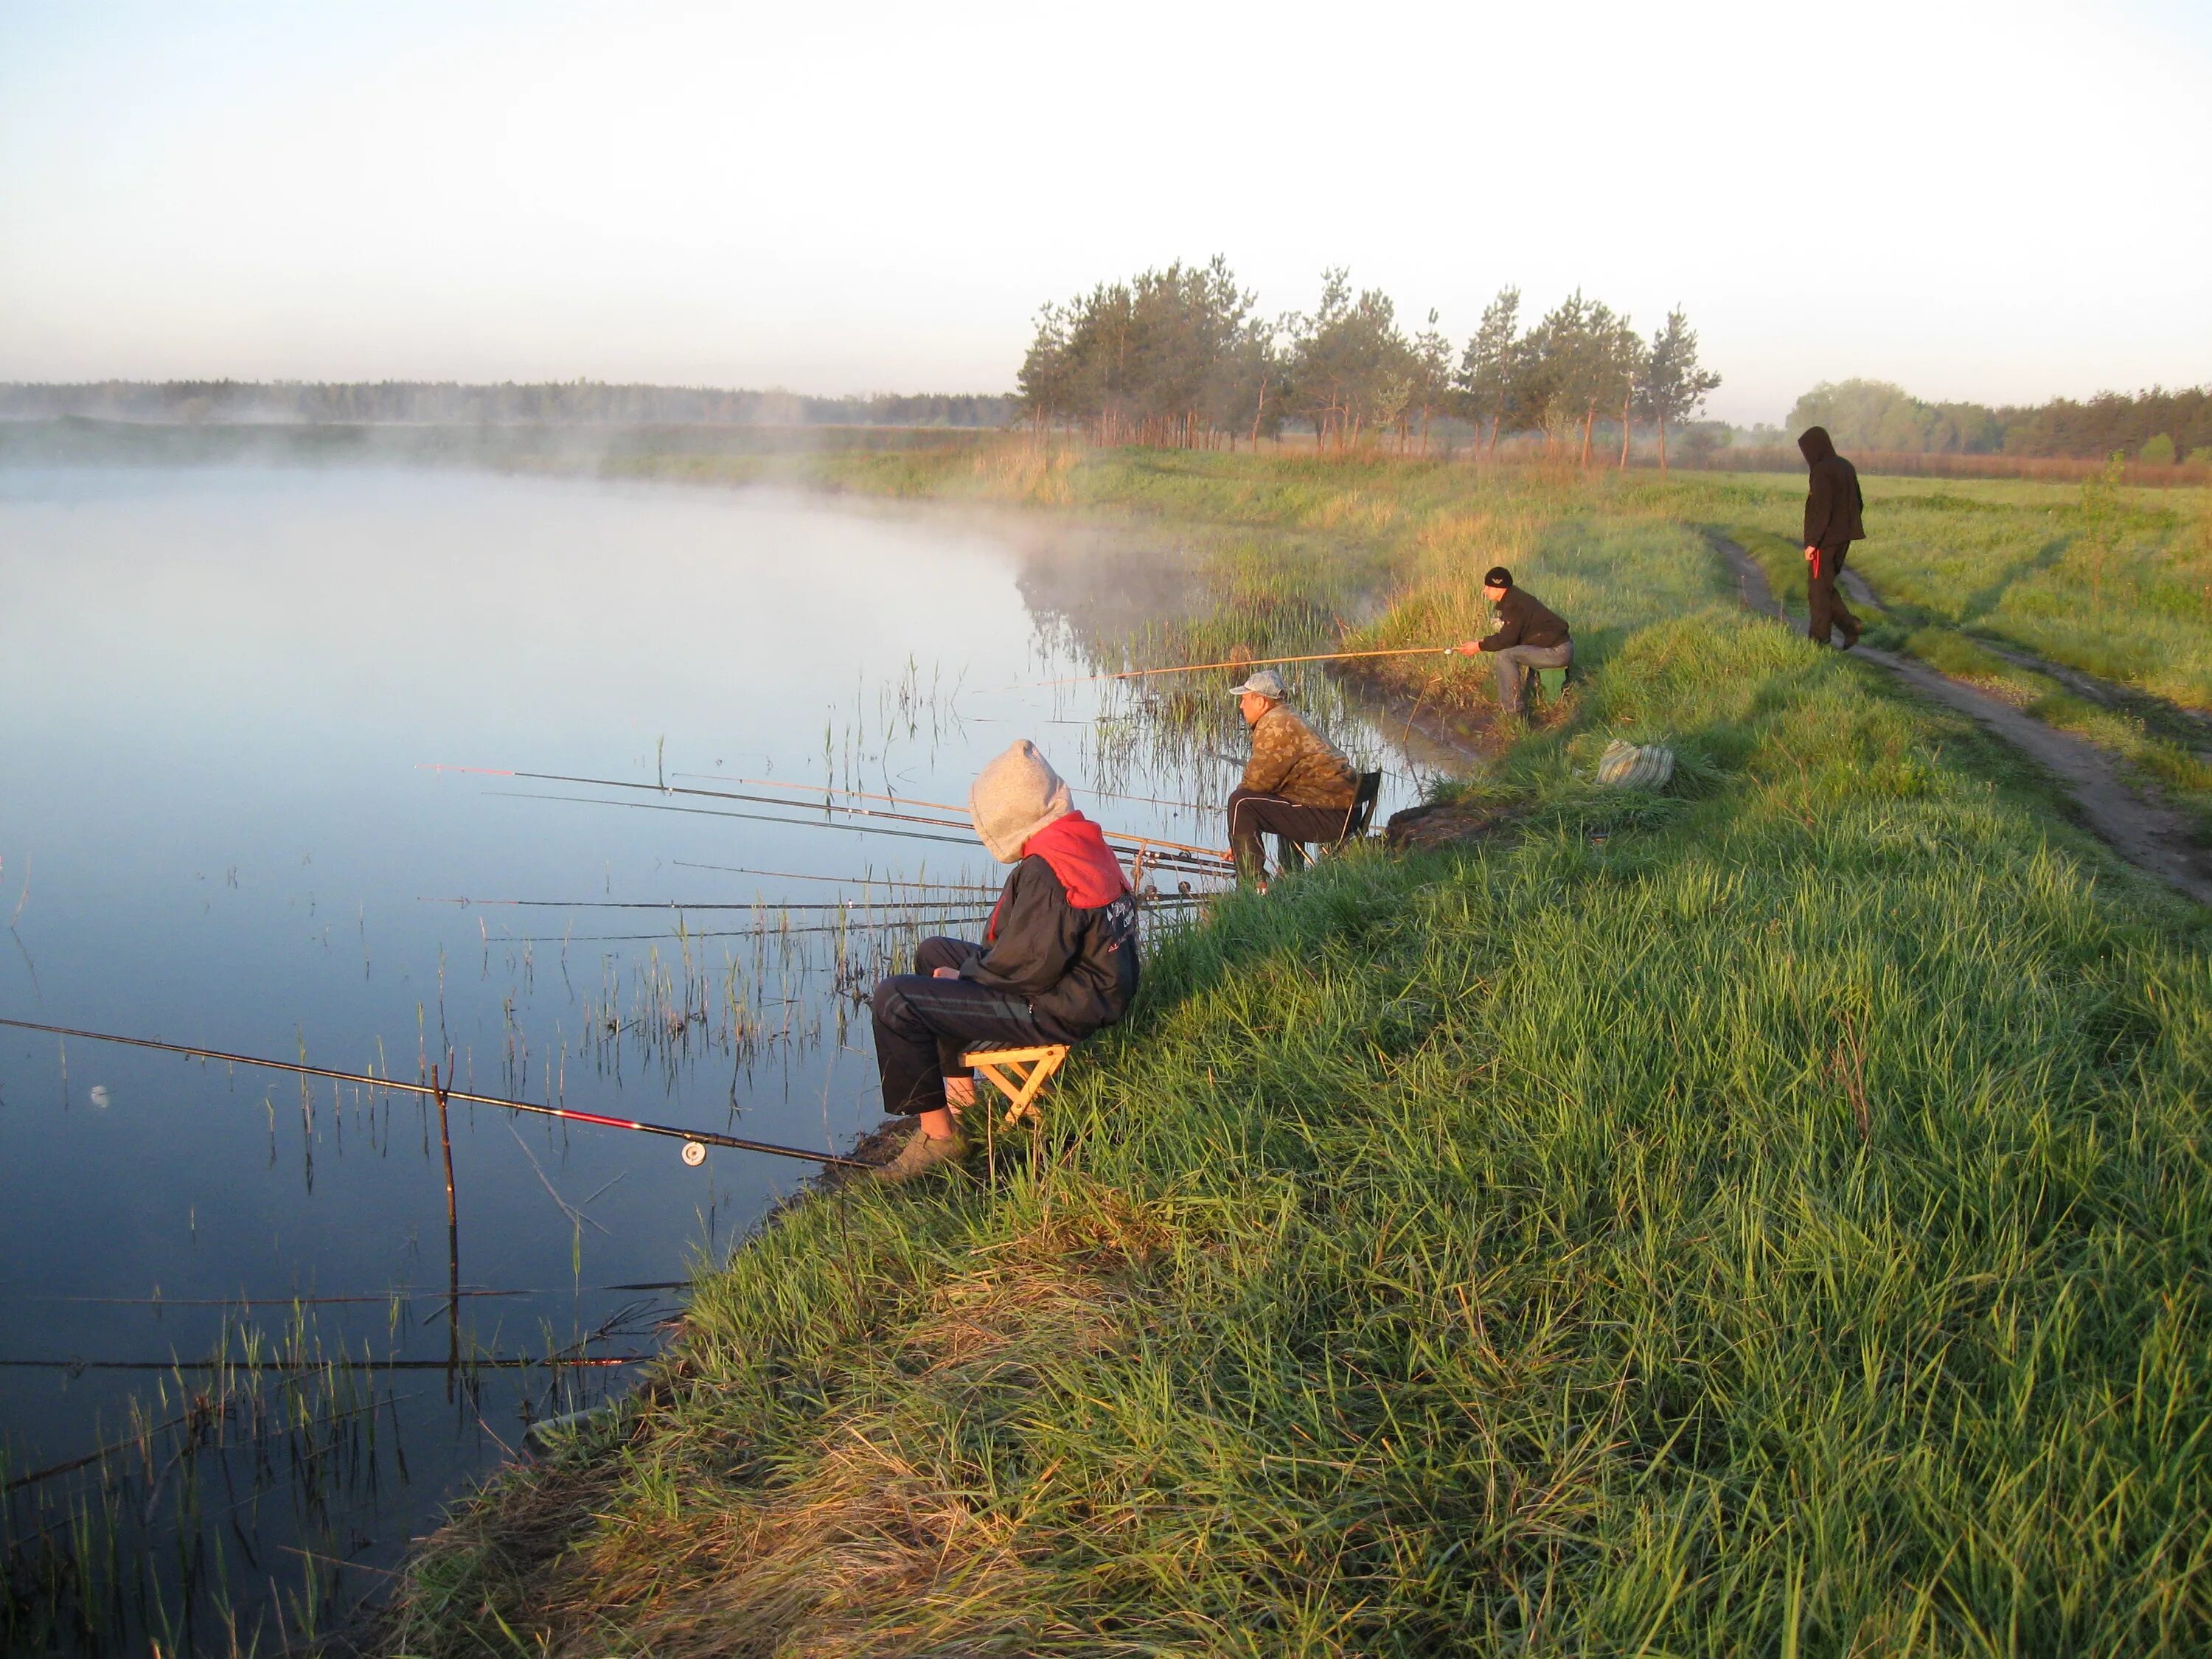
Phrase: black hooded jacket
(1833,506)
(1075,966)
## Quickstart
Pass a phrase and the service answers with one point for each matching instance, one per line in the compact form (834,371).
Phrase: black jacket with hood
(1075,966)
(1833,506)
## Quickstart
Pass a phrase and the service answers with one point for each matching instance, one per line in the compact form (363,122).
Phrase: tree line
(1184,357)
(2155,426)
(581,402)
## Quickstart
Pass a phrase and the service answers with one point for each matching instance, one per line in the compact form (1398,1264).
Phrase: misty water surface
(219,690)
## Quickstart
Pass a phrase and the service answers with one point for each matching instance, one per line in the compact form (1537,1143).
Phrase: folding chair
(1361,812)
(1291,855)
(1030,1068)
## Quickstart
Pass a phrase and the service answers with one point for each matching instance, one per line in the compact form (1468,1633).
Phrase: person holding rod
(1528,635)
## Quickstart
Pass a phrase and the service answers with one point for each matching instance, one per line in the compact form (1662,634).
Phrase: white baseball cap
(1264,682)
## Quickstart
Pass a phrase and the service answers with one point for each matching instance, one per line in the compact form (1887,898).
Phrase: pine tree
(1675,386)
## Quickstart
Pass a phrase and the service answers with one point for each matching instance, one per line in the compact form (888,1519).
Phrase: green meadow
(1768,1217)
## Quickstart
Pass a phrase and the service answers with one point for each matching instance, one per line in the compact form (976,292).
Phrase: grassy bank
(2115,582)
(1769,1217)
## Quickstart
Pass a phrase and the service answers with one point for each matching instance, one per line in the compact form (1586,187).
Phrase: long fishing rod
(1204,861)
(906,908)
(849,881)
(579,1362)
(711,794)
(827,790)
(403,1294)
(703,1137)
(843,905)
(1159,902)
(1250,662)
(1145,842)
(915,800)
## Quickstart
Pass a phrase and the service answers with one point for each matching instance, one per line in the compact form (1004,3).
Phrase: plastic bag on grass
(1632,766)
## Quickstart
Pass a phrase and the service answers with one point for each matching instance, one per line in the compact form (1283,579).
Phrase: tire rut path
(2148,834)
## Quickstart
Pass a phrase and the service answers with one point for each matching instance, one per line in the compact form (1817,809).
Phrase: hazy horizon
(1977,203)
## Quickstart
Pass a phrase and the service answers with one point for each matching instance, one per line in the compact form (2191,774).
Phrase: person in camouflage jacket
(1298,785)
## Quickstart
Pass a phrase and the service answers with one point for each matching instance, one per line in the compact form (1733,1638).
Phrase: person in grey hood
(1058,959)
(1834,519)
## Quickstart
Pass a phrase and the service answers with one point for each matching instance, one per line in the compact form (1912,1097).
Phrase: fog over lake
(221,695)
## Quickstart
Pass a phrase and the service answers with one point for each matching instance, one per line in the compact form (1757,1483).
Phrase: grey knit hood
(1014,798)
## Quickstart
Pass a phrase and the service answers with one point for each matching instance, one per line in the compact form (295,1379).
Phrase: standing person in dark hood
(1833,508)
(1058,959)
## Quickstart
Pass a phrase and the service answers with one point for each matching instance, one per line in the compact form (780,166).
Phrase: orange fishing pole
(1250,662)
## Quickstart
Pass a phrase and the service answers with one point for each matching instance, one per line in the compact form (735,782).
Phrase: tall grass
(1767,1218)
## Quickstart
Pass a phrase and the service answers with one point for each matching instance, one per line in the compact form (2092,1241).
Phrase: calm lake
(223,693)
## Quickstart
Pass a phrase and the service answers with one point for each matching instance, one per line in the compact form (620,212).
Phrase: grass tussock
(1770,1217)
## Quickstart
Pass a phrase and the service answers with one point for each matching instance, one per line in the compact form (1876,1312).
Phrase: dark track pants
(1251,815)
(924,1024)
(1825,609)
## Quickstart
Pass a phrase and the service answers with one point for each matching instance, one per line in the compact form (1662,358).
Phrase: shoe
(921,1154)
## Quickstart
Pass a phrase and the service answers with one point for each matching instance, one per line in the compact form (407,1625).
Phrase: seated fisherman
(1528,637)
(1058,960)
(1298,785)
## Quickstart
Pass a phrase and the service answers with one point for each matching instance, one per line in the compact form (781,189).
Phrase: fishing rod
(1157,902)
(1251,662)
(827,790)
(1143,841)
(700,1138)
(1203,862)
(401,1293)
(850,881)
(579,1362)
(914,800)
(712,794)
(845,905)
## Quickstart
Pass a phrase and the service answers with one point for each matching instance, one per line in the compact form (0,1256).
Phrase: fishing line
(703,1136)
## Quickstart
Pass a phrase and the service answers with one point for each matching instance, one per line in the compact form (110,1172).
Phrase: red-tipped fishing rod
(701,1137)
(1250,662)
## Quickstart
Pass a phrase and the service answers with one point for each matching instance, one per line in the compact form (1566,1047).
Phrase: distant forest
(1182,356)
(2153,427)
(578,403)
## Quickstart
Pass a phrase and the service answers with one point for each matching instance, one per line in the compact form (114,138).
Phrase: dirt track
(2151,836)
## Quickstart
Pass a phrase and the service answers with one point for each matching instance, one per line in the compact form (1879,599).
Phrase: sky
(1997,202)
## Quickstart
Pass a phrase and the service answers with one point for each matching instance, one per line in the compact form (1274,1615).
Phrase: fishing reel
(695,1154)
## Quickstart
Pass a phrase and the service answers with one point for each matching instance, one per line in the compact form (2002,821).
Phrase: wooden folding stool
(1031,1069)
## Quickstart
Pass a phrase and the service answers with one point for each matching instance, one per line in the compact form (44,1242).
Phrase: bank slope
(1772,1217)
